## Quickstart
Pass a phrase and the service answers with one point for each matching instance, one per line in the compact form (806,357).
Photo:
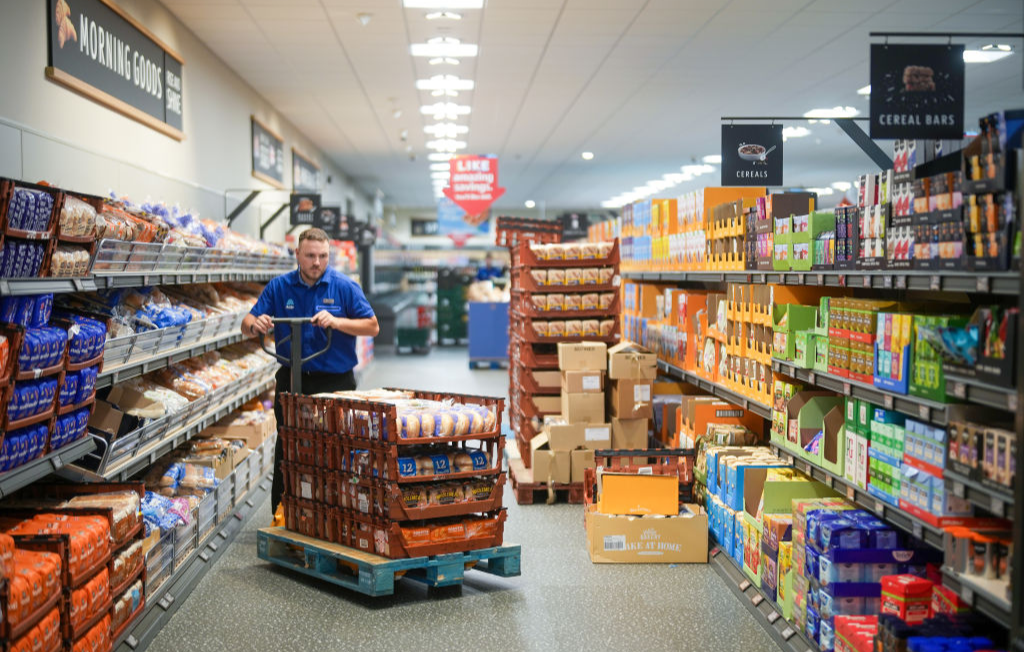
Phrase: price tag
(788,633)
(811,378)
(846,388)
(888,401)
(918,531)
(744,585)
(213,546)
(57,462)
(204,556)
(959,390)
(867,281)
(958,489)
(935,283)
(842,280)
(923,412)
(982,284)
(998,507)
(773,616)
(1011,402)
(901,282)
(967,593)
(821,279)
(757,599)
(800,279)
(714,552)
(887,282)
(851,493)
(131,642)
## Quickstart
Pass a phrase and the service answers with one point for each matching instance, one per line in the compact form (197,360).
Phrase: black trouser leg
(311,384)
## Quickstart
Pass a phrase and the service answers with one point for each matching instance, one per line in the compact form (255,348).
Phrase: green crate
(416,338)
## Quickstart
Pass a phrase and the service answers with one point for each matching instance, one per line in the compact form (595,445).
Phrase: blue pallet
(488,331)
(374,575)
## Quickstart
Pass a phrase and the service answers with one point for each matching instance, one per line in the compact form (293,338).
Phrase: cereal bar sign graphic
(917,91)
(473,185)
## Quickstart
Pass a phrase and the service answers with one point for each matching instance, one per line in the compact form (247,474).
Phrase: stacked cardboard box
(631,372)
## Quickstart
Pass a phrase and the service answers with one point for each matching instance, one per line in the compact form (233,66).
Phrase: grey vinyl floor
(561,602)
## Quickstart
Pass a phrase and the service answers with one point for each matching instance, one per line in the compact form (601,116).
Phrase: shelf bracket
(864,141)
(266,225)
(233,215)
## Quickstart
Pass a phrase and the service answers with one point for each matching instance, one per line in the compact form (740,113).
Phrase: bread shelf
(761,409)
(27,286)
(147,363)
(26,474)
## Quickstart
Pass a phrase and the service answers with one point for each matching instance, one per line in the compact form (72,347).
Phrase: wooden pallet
(527,492)
(487,363)
(374,575)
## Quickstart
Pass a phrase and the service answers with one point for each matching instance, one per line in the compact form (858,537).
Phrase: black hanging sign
(305,208)
(98,50)
(751,155)
(305,173)
(917,91)
(267,155)
(334,224)
(574,225)
(424,227)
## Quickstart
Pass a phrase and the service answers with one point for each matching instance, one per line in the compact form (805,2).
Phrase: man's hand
(263,324)
(324,319)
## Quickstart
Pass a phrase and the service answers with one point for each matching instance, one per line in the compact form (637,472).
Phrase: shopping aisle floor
(561,602)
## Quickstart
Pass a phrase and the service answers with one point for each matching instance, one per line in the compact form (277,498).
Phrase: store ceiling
(641,83)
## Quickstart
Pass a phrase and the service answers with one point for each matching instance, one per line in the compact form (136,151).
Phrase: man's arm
(366,327)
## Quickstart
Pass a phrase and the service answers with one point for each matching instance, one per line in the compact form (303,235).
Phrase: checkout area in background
(428,298)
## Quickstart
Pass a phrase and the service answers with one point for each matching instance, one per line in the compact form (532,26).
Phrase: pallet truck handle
(295,361)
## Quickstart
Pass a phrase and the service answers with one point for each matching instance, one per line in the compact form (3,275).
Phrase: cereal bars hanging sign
(98,50)
(917,91)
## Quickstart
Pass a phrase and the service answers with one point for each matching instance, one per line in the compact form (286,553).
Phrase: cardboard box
(580,461)
(631,399)
(597,436)
(545,404)
(580,382)
(563,437)
(635,493)
(253,435)
(548,465)
(120,413)
(222,465)
(629,434)
(583,408)
(627,360)
(647,540)
(582,356)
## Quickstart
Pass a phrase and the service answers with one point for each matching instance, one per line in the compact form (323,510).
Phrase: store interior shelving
(761,409)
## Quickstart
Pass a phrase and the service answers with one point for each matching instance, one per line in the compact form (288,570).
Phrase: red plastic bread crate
(311,448)
(407,502)
(394,541)
(510,231)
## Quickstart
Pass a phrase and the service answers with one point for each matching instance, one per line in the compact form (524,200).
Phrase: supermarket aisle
(562,601)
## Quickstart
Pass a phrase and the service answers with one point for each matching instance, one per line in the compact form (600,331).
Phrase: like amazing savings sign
(473,183)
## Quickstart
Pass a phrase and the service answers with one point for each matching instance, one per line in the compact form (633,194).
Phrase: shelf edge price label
(757,600)
(1011,402)
(851,493)
(846,389)
(918,531)
(879,507)
(958,489)
(901,282)
(888,401)
(935,283)
(821,279)
(773,616)
(959,390)
(744,585)
(867,281)
(887,282)
(998,506)
(788,633)
(923,412)
(811,378)
(967,593)
(982,284)
(800,279)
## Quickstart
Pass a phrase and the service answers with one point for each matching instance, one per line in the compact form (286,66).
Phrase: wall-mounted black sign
(917,91)
(574,225)
(305,208)
(305,173)
(333,222)
(267,155)
(363,234)
(424,227)
(96,49)
(751,155)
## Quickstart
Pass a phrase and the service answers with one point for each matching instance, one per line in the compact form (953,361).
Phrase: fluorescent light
(697,169)
(842,186)
(439,175)
(674,178)
(444,93)
(446,145)
(446,130)
(587,156)
(715,159)
(449,61)
(440,156)
(445,82)
(611,203)
(529,203)
(443,4)
(821,191)
(439,167)
(988,54)
(795,132)
(834,112)
(866,90)
(444,15)
(443,46)
(445,110)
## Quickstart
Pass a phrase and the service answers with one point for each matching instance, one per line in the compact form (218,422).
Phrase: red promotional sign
(474,183)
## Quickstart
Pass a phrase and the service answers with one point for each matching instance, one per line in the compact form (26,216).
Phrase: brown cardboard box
(630,360)
(580,382)
(647,540)
(630,399)
(546,404)
(549,465)
(597,436)
(583,408)
(581,460)
(222,465)
(564,437)
(109,416)
(253,435)
(582,356)
(629,434)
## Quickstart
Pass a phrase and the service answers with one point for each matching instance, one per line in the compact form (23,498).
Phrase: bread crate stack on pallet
(394,473)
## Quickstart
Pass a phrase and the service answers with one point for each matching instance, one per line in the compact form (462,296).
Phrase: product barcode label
(306,489)
(364,504)
(592,383)
(597,434)
(614,542)
(642,393)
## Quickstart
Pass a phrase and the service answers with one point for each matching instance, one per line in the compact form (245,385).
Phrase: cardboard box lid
(564,437)
(638,493)
(539,442)
(582,355)
(630,360)
(135,403)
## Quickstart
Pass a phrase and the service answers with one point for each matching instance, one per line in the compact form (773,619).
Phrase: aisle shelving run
(38,469)
(758,408)
(981,595)
(28,286)
(1004,283)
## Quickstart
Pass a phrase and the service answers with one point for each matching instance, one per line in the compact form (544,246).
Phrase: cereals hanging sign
(98,50)
(917,91)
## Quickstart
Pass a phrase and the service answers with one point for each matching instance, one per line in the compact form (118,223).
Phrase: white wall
(401,229)
(48,132)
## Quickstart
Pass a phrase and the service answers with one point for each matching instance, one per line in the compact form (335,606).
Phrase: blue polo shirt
(289,296)
(486,273)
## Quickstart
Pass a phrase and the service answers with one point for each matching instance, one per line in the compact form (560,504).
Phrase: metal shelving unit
(146,364)
(25,286)
(980,594)
(26,474)
(761,409)
(998,500)
(979,393)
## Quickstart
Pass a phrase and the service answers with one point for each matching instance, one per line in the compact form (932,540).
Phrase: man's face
(312,257)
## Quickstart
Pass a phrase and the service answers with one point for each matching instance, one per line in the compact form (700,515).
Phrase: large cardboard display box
(678,539)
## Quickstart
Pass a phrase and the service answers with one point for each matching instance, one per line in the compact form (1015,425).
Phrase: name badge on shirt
(334,310)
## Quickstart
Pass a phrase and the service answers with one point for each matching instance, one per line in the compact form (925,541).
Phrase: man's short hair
(314,234)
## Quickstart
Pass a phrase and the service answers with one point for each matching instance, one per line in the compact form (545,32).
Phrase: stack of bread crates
(395,473)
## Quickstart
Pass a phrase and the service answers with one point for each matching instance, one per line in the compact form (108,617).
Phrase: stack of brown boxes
(631,372)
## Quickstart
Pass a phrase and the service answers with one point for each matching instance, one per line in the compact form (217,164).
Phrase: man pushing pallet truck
(380,484)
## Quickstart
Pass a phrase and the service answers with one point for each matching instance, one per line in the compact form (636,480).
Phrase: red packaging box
(907,597)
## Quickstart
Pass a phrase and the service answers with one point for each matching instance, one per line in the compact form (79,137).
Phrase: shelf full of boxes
(892,387)
(66,344)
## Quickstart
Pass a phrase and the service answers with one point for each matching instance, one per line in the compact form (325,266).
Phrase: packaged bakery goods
(540,328)
(589,250)
(428,425)
(414,497)
(556,277)
(444,425)
(573,302)
(607,327)
(605,300)
(573,276)
(556,302)
(554,252)
(574,328)
(466,461)
(589,301)
(540,276)
(77,218)
(605,275)
(591,328)
(572,251)
(448,493)
(479,491)
(604,249)
(125,563)
(408,426)
(590,276)
(539,302)
(556,329)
